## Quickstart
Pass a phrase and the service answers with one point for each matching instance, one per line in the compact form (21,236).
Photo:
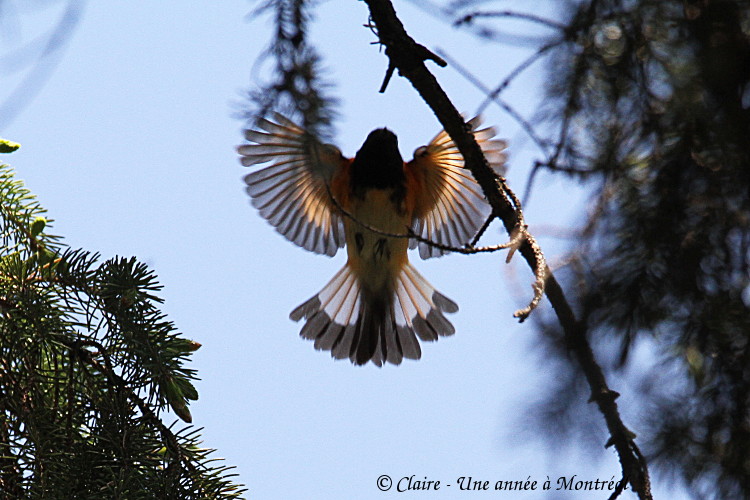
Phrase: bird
(377,307)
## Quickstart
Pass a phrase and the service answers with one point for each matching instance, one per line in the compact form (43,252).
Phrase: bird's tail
(355,323)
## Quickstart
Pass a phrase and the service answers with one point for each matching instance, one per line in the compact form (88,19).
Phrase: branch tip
(388,75)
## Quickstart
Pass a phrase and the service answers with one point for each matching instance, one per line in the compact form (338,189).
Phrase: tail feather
(371,329)
(342,349)
(354,323)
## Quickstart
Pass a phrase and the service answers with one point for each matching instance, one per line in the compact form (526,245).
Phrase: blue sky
(130,146)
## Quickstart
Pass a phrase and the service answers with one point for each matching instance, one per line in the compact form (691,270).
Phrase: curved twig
(468,249)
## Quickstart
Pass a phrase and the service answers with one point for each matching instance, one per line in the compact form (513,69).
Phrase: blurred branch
(493,95)
(469,18)
(480,31)
(44,65)
(518,70)
(471,78)
(299,87)
(404,53)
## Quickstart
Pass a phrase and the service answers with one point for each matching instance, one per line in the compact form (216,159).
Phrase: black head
(378,163)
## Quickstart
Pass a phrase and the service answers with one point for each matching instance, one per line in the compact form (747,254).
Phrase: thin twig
(541,270)
(387,77)
(541,273)
(520,68)
(468,18)
(471,78)
(482,230)
(468,249)
(518,237)
(442,13)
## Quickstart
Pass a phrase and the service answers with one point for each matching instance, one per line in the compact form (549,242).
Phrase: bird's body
(377,305)
(375,258)
(377,184)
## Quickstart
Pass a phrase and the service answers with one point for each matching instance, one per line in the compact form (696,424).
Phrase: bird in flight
(377,306)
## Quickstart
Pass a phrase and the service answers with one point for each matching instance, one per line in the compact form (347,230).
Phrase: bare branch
(425,53)
(402,52)
(482,229)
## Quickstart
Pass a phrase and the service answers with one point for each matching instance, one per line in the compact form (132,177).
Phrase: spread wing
(450,207)
(292,192)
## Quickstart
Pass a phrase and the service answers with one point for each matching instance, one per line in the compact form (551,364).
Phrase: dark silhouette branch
(426,55)
(482,230)
(404,53)
(408,57)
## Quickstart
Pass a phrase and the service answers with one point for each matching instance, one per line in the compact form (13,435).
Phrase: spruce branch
(87,364)
(299,86)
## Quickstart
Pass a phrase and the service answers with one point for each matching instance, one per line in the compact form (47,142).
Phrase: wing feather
(450,207)
(292,192)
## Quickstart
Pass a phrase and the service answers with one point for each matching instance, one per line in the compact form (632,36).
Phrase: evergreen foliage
(650,100)
(87,365)
(298,88)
